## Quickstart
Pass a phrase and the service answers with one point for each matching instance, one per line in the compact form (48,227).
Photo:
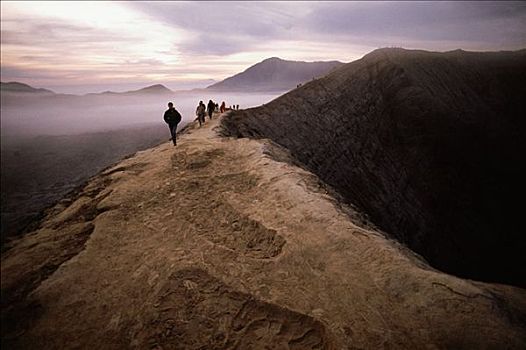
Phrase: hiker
(217,108)
(223,107)
(237,107)
(210,108)
(172,117)
(200,111)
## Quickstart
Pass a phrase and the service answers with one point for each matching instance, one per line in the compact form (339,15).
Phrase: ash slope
(215,244)
(429,145)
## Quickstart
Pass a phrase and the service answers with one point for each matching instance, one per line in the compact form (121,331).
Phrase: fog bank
(31,115)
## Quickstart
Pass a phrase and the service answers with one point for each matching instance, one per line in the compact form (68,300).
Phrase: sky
(81,47)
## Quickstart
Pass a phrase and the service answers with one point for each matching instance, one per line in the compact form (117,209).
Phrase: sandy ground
(220,243)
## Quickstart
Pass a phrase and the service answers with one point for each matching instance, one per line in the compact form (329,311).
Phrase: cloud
(252,19)
(68,44)
(51,32)
(488,24)
(222,28)
(215,44)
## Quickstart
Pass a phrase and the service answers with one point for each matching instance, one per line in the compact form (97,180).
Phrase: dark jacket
(211,106)
(172,117)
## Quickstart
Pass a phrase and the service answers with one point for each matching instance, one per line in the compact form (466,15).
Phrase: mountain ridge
(270,75)
(17,87)
(275,74)
(155,89)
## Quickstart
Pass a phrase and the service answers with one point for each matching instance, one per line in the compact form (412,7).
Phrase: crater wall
(429,145)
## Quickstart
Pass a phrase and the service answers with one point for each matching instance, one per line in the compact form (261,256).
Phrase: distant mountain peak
(154,88)
(275,74)
(272,59)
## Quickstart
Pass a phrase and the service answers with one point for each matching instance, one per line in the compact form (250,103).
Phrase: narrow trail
(217,244)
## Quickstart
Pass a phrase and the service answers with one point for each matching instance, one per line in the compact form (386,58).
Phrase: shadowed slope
(428,144)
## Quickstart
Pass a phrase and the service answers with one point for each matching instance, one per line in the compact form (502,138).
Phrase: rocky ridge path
(222,243)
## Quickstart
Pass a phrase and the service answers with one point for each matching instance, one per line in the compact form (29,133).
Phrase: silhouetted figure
(200,111)
(210,108)
(172,117)
(237,107)
(223,107)
(217,108)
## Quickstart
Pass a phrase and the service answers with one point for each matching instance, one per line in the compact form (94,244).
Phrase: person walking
(200,111)
(210,108)
(223,107)
(172,117)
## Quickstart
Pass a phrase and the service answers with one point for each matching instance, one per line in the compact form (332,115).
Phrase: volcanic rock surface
(223,243)
(429,145)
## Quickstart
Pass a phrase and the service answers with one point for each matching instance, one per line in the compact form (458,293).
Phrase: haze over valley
(32,113)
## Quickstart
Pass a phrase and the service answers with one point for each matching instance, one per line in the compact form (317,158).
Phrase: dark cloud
(489,22)
(228,27)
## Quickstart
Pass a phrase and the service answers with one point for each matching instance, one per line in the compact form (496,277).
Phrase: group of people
(172,117)
(201,111)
